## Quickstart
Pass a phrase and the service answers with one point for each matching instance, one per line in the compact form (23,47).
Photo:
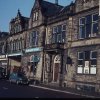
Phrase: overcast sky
(9,8)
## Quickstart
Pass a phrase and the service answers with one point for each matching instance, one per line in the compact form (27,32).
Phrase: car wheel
(17,82)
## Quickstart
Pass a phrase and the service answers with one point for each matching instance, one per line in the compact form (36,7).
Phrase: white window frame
(63,26)
(78,55)
(36,39)
(37,15)
(91,55)
(93,22)
(60,37)
(80,66)
(80,25)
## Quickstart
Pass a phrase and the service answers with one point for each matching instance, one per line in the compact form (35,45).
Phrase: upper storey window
(88,26)
(34,38)
(35,16)
(58,35)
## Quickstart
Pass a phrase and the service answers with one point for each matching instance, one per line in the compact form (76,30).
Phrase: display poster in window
(79,70)
(86,70)
(93,70)
(86,63)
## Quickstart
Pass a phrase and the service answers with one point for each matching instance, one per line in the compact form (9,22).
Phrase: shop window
(87,62)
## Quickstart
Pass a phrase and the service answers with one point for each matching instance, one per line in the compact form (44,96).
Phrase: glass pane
(59,38)
(88,30)
(80,70)
(81,55)
(54,29)
(95,17)
(59,29)
(86,70)
(82,32)
(88,19)
(63,36)
(87,55)
(34,34)
(63,27)
(54,38)
(92,70)
(80,62)
(94,54)
(94,62)
(82,21)
(95,28)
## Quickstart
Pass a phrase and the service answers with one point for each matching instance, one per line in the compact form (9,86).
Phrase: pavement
(67,90)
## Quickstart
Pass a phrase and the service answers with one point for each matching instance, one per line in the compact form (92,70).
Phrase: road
(11,90)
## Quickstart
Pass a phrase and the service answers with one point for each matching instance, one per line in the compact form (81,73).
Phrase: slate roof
(50,9)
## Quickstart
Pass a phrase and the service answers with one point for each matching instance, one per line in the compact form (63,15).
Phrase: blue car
(18,78)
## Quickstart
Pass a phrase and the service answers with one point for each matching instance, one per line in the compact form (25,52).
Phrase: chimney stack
(56,2)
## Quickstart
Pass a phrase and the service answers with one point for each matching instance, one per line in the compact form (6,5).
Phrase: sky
(9,8)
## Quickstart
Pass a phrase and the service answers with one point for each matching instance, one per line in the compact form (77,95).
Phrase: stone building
(16,41)
(58,45)
(3,50)
(84,47)
(35,41)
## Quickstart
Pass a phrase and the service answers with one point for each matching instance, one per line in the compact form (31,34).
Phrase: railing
(54,46)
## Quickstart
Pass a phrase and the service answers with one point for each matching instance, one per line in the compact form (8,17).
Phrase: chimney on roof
(56,2)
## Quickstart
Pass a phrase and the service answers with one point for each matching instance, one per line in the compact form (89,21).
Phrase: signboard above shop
(33,50)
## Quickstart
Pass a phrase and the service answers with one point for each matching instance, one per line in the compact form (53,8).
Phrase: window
(34,38)
(87,62)
(58,35)
(88,26)
(35,16)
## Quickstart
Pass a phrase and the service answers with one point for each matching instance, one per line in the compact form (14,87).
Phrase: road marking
(63,91)
(5,88)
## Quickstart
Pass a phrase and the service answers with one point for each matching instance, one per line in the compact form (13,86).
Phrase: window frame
(85,27)
(90,71)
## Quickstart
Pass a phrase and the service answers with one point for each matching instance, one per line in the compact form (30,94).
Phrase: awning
(35,58)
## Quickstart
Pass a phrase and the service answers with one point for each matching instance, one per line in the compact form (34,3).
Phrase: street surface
(11,90)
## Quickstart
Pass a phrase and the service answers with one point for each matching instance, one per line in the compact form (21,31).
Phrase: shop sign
(15,54)
(33,50)
(4,63)
(3,56)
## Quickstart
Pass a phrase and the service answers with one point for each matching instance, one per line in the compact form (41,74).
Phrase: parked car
(3,74)
(18,78)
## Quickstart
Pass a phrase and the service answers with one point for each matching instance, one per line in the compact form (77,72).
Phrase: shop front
(32,63)
(3,63)
(14,62)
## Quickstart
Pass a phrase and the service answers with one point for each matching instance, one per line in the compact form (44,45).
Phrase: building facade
(16,42)
(84,49)
(58,45)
